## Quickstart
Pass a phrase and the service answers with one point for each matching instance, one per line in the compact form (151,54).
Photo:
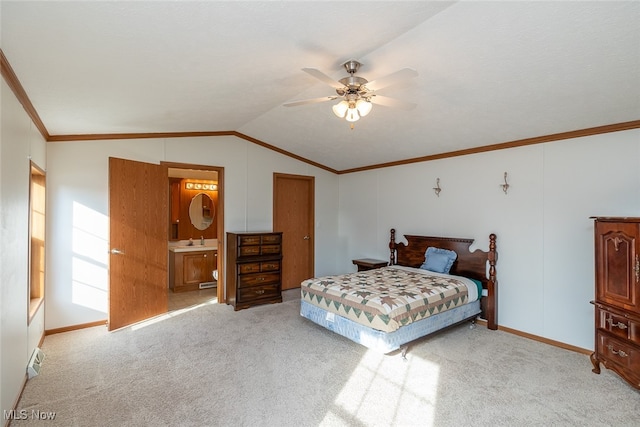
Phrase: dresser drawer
(270,249)
(618,324)
(257,267)
(248,280)
(244,251)
(252,267)
(270,266)
(248,240)
(271,239)
(622,353)
(258,292)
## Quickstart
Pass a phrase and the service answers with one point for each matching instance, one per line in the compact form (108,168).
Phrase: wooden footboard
(479,265)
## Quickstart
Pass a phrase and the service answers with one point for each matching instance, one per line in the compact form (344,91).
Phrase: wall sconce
(437,188)
(505,186)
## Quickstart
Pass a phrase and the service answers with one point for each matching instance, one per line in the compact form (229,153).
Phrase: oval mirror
(201,211)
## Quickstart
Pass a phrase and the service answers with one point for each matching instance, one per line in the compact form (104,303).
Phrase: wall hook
(437,188)
(505,186)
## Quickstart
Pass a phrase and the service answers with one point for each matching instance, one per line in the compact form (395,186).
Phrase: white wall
(19,142)
(545,237)
(78,210)
(545,266)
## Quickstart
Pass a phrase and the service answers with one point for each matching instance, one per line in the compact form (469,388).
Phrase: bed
(385,309)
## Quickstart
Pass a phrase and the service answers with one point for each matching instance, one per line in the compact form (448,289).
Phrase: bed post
(492,288)
(392,247)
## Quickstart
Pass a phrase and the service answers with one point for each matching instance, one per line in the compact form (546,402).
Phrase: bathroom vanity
(193,235)
(191,267)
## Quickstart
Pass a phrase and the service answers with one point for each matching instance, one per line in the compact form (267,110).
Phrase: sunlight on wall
(379,378)
(90,246)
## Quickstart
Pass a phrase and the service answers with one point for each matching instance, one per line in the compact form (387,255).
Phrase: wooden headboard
(468,264)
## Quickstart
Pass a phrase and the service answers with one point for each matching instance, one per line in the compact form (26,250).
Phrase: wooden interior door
(138,213)
(293,214)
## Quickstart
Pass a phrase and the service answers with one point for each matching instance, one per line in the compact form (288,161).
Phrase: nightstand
(365,264)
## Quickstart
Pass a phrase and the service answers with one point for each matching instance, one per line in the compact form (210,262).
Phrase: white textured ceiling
(489,72)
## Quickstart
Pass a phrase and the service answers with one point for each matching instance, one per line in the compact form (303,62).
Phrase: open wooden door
(293,214)
(138,213)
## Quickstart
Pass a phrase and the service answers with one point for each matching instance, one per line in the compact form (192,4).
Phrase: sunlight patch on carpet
(390,379)
(169,315)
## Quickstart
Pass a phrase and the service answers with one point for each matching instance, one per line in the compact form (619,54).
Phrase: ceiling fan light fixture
(364,107)
(352,115)
(340,109)
(355,93)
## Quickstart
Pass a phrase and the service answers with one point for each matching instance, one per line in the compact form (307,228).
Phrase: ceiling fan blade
(392,102)
(391,79)
(323,77)
(309,101)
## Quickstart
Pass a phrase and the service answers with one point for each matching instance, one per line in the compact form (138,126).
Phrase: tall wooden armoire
(617,303)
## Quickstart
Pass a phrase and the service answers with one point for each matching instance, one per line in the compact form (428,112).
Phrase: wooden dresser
(617,303)
(253,269)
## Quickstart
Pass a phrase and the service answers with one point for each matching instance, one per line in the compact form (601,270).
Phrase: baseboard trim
(540,339)
(75,327)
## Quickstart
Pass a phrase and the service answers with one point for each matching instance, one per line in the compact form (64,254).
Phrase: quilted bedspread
(386,298)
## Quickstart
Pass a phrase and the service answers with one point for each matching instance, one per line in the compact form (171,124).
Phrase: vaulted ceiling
(488,72)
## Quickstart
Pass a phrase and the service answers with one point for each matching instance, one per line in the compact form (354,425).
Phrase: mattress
(389,298)
(386,342)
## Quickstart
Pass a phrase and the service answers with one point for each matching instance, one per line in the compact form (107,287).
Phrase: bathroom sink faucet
(202,240)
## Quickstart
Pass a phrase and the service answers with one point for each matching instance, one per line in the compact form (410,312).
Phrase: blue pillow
(438,260)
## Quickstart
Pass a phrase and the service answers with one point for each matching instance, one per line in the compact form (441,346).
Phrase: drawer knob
(618,352)
(616,325)
(260,292)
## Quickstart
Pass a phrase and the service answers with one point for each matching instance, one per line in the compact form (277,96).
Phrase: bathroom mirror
(201,211)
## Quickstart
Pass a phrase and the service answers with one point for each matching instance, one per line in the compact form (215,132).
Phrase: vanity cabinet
(188,270)
(254,262)
(617,303)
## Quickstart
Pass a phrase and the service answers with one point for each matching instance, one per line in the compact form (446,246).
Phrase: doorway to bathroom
(139,235)
(196,221)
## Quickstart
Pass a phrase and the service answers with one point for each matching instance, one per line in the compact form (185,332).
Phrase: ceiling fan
(356,93)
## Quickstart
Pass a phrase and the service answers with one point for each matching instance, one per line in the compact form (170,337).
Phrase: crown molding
(616,127)
(16,87)
(13,82)
(146,135)
(137,135)
(286,153)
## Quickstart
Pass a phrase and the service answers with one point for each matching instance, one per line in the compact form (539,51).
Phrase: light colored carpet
(267,366)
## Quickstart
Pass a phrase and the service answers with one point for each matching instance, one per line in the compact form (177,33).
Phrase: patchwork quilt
(389,297)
